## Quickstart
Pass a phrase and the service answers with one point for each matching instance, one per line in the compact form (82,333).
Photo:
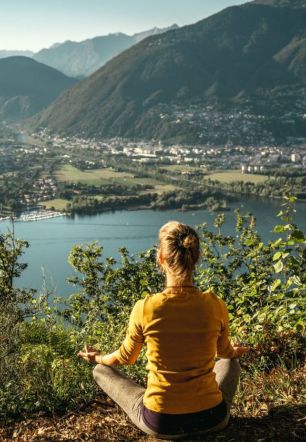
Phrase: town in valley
(43,171)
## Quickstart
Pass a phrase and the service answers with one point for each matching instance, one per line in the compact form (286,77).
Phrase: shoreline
(236,198)
(49,214)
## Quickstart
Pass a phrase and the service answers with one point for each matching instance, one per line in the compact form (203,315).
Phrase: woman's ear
(160,258)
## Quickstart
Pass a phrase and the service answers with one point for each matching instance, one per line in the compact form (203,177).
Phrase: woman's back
(182,330)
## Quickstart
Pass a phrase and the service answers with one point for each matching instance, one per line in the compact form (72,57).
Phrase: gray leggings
(129,395)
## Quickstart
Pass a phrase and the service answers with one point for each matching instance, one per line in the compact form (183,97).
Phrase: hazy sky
(33,24)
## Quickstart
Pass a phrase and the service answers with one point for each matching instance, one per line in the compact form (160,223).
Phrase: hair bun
(190,241)
(179,249)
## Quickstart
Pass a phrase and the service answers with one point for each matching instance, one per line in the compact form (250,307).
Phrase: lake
(51,240)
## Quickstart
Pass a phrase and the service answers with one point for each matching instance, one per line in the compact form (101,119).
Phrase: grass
(95,177)
(58,204)
(100,177)
(231,176)
(260,391)
(181,168)
(162,188)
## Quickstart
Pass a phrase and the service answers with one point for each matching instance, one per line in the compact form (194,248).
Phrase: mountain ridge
(282,3)
(80,59)
(252,50)
(5,53)
(26,86)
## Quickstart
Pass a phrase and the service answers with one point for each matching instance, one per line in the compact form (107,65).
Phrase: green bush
(264,285)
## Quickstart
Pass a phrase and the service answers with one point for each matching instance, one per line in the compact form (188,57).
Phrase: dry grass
(259,392)
(58,204)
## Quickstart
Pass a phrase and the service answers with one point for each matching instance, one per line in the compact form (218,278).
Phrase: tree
(11,249)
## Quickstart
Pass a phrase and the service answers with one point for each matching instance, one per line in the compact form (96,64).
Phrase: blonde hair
(179,248)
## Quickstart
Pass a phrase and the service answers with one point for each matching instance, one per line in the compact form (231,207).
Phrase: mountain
(4,53)
(80,59)
(26,87)
(154,31)
(282,3)
(249,55)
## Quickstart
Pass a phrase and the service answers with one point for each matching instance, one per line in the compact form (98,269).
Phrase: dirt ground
(103,421)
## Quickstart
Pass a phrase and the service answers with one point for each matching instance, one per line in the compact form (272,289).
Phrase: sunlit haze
(34,24)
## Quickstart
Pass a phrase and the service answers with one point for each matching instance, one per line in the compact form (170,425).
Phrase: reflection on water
(51,240)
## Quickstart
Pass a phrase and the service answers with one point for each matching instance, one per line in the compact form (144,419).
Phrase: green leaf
(277,256)
(279,229)
(275,284)
(278,267)
(249,242)
(291,199)
(296,280)
(290,243)
(277,243)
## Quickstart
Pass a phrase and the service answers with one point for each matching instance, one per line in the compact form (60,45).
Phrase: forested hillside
(252,57)
(26,87)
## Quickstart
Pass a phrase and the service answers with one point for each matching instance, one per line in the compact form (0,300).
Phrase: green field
(181,168)
(95,177)
(58,204)
(162,188)
(101,177)
(231,176)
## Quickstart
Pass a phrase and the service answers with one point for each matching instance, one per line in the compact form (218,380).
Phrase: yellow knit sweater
(183,333)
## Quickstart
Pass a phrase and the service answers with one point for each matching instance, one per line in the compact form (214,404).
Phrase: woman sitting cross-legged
(183,329)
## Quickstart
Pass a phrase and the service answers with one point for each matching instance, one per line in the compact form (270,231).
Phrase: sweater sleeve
(134,339)
(224,347)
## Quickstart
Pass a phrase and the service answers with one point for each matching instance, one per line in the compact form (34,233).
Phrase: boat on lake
(5,218)
(39,215)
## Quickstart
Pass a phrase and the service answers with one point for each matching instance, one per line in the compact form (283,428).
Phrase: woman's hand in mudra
(240,351)
(90,354)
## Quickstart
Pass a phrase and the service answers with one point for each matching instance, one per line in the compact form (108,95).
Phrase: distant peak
(18,58)
(5,53)
(55,45)
(154,31)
